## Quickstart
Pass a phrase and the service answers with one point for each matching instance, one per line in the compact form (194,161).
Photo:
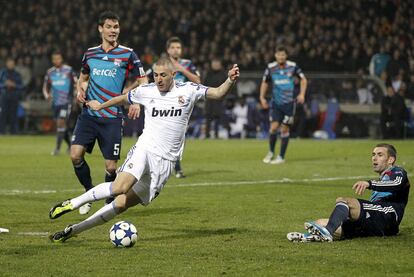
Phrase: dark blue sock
(272,142)
(178,166)
(284,141)
(83,173)
(110,177)
(338,216)
(59,137)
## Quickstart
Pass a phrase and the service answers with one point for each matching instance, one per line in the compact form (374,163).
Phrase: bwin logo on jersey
(104,72)
(165,113)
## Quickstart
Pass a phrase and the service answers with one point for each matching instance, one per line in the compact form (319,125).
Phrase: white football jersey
(166,116)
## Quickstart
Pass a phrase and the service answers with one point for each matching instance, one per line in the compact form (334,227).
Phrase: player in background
(168,106)
(380,216)
(186,71)
(105,69)
(59,88)
(280,77)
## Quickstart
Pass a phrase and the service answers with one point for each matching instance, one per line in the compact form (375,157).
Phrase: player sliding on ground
(150,162)
(380,216)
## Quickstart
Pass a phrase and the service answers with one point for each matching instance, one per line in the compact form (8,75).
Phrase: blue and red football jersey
(61,82)
(108,73)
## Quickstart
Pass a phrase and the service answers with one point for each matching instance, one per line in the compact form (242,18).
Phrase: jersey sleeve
(393,181)
(299,72)
(85,67)
(193,69)
(135,66)
(266,75)
(46,80)
(135,96)
(198,91)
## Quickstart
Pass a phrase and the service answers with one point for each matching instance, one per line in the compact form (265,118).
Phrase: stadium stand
(323,36)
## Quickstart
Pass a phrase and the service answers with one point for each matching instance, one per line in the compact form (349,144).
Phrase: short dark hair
(281,48)
(57,52)
(173,40)
(390,149)
(165,61)
(107,15)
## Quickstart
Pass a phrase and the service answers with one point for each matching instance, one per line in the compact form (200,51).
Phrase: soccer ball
(123,234)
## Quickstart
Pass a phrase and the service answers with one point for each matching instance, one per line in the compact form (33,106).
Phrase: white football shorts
(151,171)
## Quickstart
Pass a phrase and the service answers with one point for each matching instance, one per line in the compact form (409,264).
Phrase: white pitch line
(41,234)
(230,183)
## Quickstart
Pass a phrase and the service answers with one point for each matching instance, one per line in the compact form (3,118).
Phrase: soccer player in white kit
(150,162)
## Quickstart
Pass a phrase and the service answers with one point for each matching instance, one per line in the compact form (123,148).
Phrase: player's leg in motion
(274,125)
(110,175)
(123,182)
(126,198)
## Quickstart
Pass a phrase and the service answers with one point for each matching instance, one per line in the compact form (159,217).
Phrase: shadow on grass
(196,233)
(158,211)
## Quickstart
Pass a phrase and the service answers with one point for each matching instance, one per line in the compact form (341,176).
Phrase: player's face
(281,57)
(163,77)
(175,50)
(381,160)
(57,60)
(109,30)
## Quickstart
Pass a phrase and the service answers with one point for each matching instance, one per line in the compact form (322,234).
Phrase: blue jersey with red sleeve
(282,80)
(108,73)
(61,82)
(392,186)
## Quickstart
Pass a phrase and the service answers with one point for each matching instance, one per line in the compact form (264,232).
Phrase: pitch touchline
(234,183)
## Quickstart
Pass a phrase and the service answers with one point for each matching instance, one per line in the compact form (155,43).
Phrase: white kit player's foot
(268,157)
(278,160)
(85,208)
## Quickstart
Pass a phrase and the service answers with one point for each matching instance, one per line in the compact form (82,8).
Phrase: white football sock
(99,192)
(103,215)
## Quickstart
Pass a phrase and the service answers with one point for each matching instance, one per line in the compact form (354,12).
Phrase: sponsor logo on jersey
(105,58)
(58,82)
(104,72)
(165,113)
(117,62)
(282,82)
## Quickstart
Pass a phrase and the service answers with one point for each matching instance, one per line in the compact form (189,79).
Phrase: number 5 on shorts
(116,149)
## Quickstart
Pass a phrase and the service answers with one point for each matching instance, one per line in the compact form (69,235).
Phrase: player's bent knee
(340,199)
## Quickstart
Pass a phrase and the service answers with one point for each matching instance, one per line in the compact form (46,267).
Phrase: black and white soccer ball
(123,234)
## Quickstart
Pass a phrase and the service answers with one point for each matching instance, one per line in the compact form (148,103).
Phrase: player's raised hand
(94,105)
(234,72)
(133,111)
(360,187)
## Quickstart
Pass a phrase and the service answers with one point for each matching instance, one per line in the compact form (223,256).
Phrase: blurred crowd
(322,36)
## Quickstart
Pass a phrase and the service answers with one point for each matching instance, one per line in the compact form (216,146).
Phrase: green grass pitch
(229,217)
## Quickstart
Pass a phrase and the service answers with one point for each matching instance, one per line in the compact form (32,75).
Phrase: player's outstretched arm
(96,106)
(224,88)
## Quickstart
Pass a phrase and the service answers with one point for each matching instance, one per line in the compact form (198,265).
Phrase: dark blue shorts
(376,219)
(282,113)
(61,111)
(108,132)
